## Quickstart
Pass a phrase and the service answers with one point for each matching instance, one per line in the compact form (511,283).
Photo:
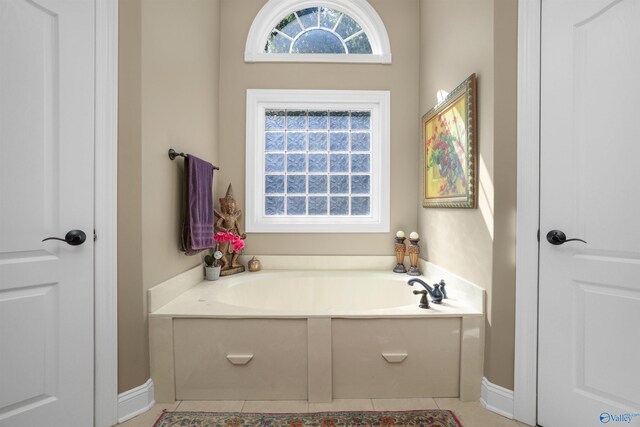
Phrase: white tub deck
(358,296)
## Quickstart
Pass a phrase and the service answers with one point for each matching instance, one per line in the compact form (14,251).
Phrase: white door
(46,189)
(589,332)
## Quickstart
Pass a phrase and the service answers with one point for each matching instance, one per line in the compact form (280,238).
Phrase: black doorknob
(73,238)
(557,237)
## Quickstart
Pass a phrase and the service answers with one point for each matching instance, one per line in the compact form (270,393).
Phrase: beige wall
(183,84)
(168,98)
(460,239)
(501,336)
(478,244)
(401,78)
(132,357)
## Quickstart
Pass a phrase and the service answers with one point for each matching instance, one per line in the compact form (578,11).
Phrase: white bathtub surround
(135,401)
(472,357)
(172,288)
(307,293)
(277,370)
(161,358)
(330,262)
(319,354)
(473,327)
(466,291)
(317,335)
(496,399)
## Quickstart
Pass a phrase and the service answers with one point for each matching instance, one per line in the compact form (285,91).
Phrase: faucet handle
(444,293)
(424,301)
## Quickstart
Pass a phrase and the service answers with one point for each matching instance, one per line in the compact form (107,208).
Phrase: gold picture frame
(449,150)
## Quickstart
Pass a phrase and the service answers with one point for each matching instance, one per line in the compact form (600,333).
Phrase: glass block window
(317,161)
(318,30)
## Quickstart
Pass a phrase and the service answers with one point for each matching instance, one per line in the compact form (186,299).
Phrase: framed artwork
(450,150)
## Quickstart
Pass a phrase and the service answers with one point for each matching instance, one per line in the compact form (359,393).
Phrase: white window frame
(260,100)
(276,10)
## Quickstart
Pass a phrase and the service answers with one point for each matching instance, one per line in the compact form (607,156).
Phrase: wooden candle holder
(414,252)
(400,251)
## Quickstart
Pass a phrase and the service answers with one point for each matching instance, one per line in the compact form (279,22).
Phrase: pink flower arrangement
(236,242)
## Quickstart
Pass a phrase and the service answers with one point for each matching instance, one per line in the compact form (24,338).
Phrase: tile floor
(471,414)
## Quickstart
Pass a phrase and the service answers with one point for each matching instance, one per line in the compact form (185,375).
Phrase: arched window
(318,31)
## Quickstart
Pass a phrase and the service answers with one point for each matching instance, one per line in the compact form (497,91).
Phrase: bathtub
(314,335)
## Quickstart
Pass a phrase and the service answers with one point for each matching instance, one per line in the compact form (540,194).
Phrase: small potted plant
(211,266)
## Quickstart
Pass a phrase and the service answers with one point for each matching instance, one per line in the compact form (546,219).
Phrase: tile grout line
(436,402)
(244,402)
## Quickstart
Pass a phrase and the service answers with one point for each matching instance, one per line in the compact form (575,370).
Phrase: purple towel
(197,230)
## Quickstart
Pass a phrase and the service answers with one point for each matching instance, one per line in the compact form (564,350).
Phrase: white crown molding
(496,399)
(134,402)
(360,10)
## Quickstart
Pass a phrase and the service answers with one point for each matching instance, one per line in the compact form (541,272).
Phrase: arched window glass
(318,30)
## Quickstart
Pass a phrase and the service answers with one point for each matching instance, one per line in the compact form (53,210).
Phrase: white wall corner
(496,399)
(135,401)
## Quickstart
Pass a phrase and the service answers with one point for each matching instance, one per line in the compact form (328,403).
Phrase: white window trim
(259,100)
(360,10)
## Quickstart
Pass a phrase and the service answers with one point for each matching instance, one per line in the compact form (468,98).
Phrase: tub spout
(435,292)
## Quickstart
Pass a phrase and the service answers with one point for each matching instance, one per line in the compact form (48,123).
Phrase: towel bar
(173,154)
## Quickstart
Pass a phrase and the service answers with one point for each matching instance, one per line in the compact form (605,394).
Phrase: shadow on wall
(178,175)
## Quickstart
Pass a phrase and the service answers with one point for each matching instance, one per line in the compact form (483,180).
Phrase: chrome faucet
(437,293)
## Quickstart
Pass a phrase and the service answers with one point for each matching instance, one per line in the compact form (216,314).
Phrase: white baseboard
(496,399)
(135,401)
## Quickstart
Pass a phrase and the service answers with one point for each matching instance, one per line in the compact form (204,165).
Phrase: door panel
(603,371)
(605,70)
(29,363)
(28,111)
(46,189)
(589,342)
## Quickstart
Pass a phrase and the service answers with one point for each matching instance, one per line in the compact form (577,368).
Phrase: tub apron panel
(240,359)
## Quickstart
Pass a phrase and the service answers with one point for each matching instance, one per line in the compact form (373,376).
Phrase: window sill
(310,58)
(331,225)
